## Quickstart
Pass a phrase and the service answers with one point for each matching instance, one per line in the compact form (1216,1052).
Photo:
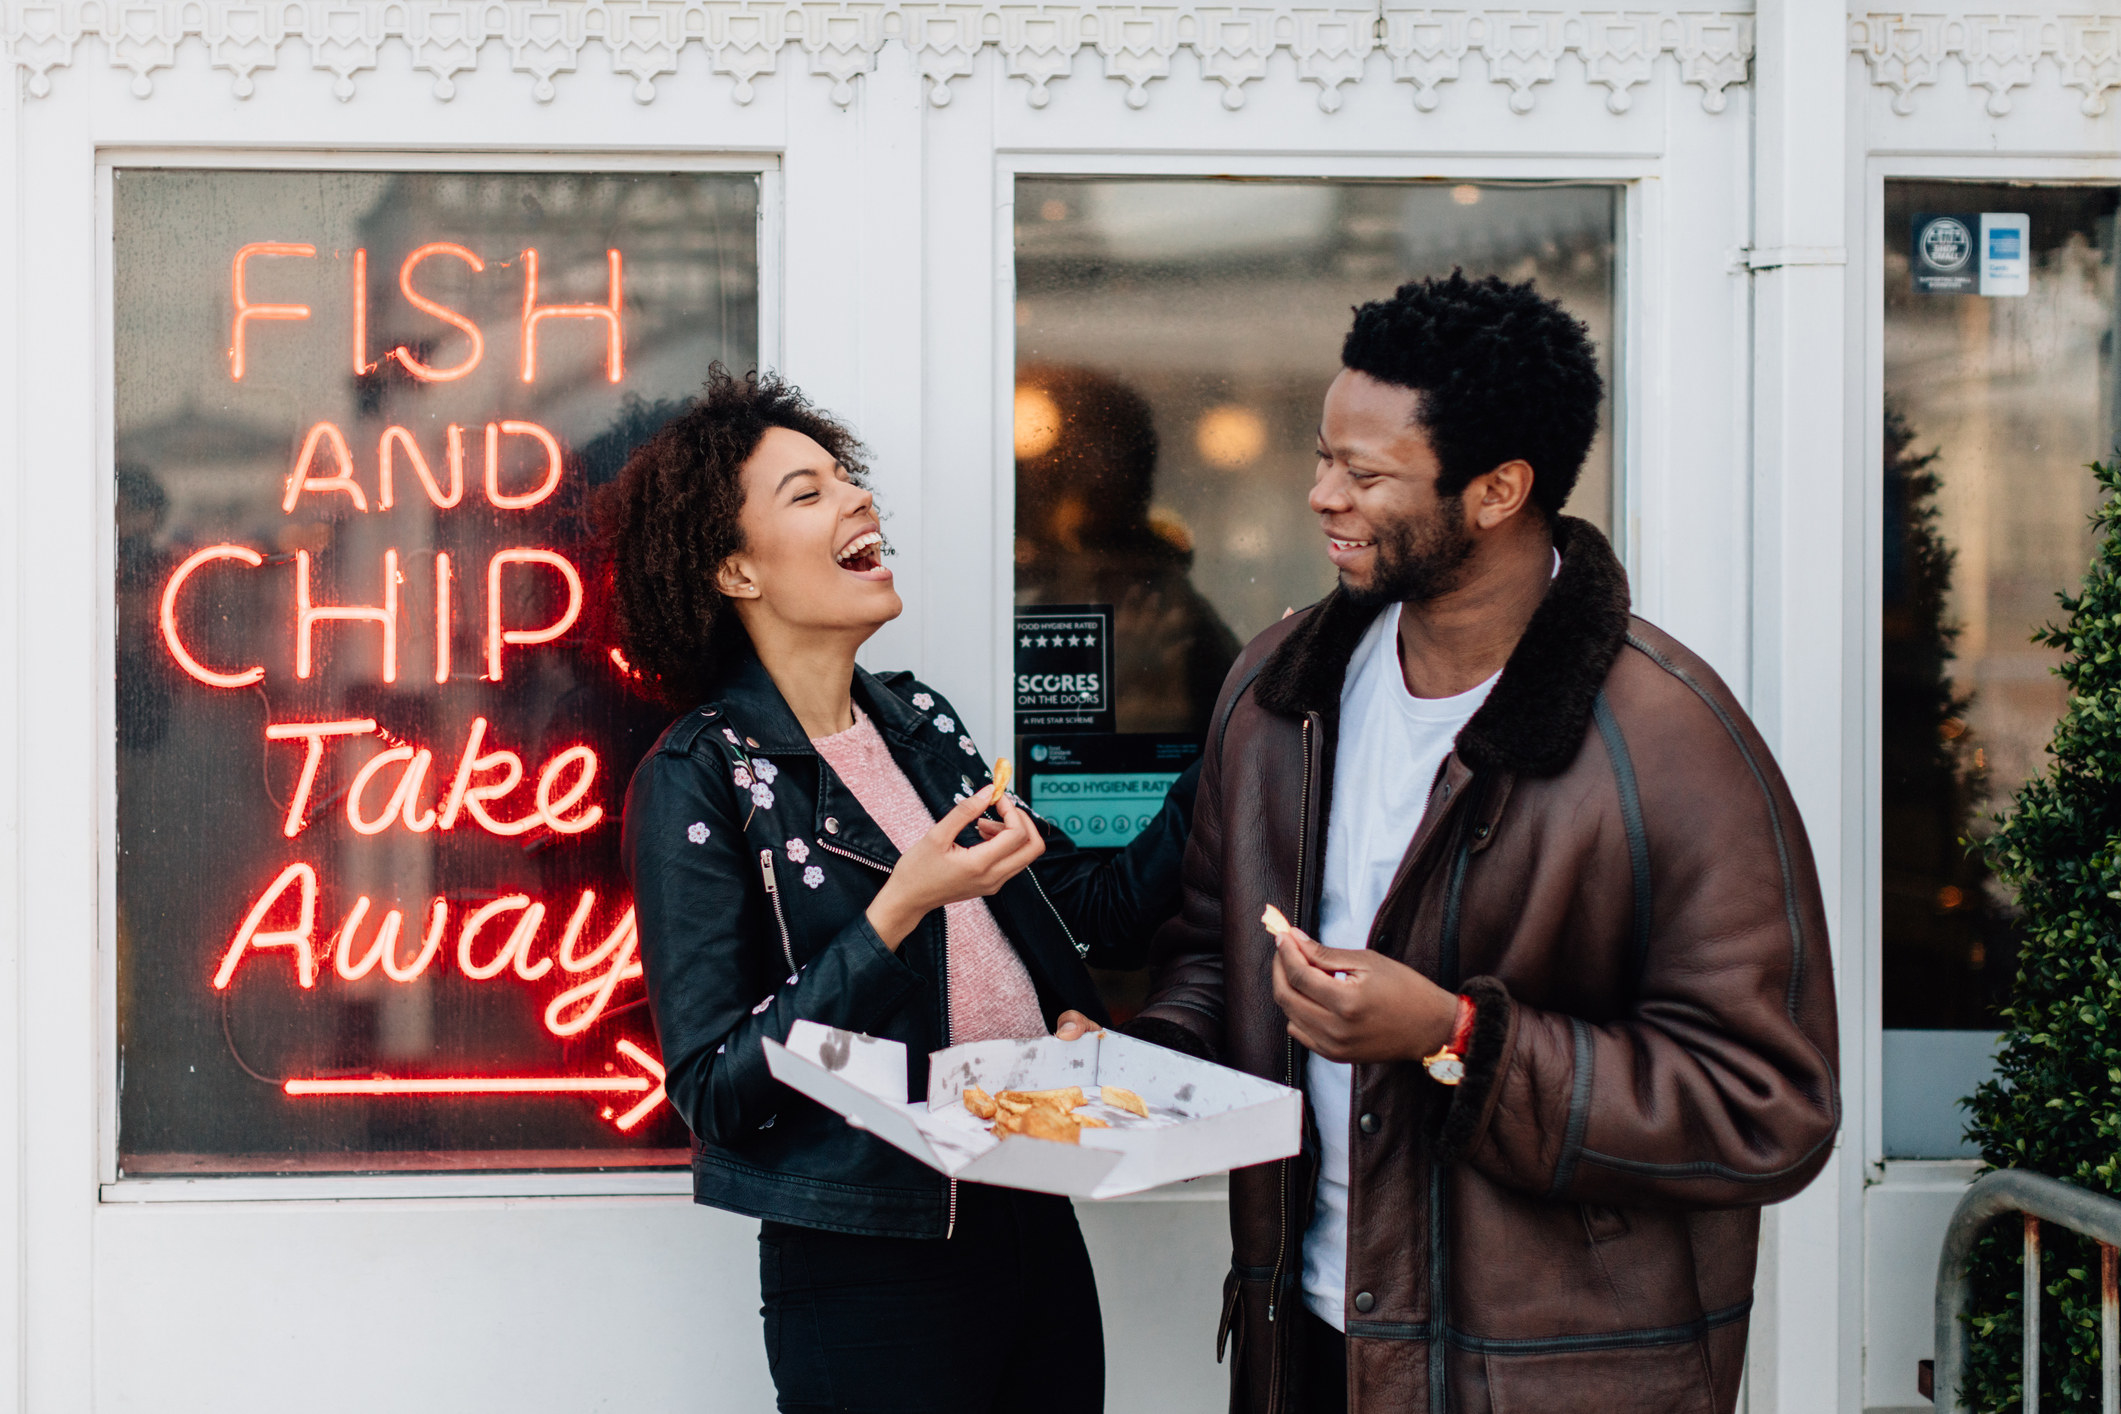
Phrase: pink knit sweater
(991,997)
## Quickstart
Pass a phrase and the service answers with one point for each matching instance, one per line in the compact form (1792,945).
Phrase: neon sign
(651,1082)
(368,824)
(284,916)
(610,313)
(571,1011)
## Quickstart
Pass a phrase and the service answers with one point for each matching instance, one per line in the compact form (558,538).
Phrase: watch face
(1447,1069)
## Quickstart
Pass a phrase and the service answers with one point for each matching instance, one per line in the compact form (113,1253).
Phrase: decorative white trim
(839,40)
(1997,52)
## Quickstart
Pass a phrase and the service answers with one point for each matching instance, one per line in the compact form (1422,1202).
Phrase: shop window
(371,742)
(1174,340)
(1998,390)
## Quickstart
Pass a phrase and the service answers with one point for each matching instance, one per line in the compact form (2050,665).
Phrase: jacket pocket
(1603,1224)
(1247,1341)
(1657,1379)
(1232,1321)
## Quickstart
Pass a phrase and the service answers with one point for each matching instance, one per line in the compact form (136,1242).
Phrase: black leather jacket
(752,865)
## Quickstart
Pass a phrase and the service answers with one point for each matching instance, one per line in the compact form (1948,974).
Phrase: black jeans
(1000,1318)
(1325,1367)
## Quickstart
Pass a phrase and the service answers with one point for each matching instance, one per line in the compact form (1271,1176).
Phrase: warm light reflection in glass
(1038,422)
(1230,436)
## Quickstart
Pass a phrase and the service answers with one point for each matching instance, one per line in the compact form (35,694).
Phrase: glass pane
(370,913)
(1993,405)
(1174,342)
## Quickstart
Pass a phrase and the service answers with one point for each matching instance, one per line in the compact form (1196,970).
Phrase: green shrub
(2055,1106)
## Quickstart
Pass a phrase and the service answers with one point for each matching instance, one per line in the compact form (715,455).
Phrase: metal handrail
(2037,1198)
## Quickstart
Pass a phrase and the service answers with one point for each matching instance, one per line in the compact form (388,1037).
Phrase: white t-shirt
(1391,744)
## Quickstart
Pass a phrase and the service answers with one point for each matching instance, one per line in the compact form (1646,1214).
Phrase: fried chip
(1274,920)
(1001,776)
(1042,1122)
(1038,1122)
(1126,1100)
(1035,1114)
(1067,1098)
(1011,1116)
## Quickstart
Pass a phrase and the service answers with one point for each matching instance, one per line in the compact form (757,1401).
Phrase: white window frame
(1869,445)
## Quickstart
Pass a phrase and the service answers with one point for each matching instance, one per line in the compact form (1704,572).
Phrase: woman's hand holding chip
(938,870)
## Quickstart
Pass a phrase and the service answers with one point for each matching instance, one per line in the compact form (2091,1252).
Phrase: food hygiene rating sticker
(1967,253)
(1064,668)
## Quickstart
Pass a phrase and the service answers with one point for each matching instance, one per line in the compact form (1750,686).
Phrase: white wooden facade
(1751,148)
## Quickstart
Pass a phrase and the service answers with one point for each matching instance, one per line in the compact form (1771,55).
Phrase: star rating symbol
(1074,641)
(1023,642)
(1042,640)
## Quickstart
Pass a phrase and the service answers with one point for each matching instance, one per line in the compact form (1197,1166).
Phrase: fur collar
(1535,719)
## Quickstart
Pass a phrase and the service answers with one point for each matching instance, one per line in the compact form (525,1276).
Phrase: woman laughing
(810,841)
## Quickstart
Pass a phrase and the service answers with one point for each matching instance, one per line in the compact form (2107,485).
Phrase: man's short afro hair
(1504,373)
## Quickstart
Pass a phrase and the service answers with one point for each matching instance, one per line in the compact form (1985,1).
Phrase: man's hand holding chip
(1356,1005)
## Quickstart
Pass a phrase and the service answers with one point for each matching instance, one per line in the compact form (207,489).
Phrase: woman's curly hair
(673,517)
(1504,372)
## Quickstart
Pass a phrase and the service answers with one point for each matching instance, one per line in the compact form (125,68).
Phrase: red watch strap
(1462,1026)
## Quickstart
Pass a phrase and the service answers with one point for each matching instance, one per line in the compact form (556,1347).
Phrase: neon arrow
(654,1097)
(649,1086)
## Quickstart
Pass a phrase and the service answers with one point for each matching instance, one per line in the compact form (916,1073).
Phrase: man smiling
(1559,990)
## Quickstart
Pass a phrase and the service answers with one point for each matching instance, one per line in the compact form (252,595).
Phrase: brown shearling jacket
(1611,866)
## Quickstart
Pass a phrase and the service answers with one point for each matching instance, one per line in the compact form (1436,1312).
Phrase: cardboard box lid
(1205,1118)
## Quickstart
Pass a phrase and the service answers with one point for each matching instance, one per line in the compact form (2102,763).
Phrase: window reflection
(1089,532)
(1992,408)
(1195,325)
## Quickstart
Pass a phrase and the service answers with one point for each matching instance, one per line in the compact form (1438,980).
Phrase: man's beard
(1416,560)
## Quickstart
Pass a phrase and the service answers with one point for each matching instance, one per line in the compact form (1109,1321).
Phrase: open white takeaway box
(1203,1118)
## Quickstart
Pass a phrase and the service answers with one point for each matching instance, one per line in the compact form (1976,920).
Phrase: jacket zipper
(943,979)
(877,864)
(1066,931)
(1288,1075)
(1439,1277)
(773,891)
(1447,970)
